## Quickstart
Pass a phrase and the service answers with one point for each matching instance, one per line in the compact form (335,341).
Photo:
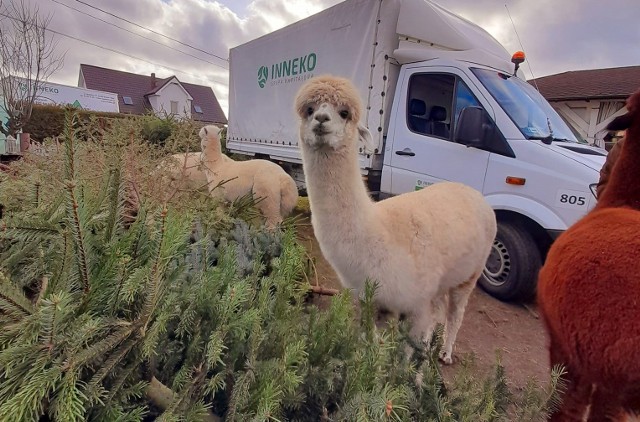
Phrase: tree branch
(27,58)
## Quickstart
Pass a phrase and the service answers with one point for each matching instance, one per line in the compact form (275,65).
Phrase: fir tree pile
(121,300)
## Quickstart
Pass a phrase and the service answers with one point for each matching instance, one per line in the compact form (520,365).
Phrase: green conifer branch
(72,204)
(114,359)
(13,303)
(114,204)
(153,289)
(102,347)
(69,401)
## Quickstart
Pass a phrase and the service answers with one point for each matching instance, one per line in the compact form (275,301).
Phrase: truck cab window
(430,101)
(464,98)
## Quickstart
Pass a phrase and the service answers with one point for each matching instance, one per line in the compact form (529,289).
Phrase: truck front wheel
(511,271)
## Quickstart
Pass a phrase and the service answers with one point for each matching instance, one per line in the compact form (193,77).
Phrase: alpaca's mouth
(320,130)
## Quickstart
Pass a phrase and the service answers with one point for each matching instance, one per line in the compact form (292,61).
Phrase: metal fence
(11,146)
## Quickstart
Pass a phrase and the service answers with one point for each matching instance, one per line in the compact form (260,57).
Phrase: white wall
(590,118)
(161,102)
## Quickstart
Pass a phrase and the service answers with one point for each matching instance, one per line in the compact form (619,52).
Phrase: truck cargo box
(354,39)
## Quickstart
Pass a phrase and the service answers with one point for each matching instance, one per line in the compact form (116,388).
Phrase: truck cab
(465,122)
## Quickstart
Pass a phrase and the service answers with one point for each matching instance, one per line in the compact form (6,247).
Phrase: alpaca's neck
(212,152)
(337,195)
(623,189)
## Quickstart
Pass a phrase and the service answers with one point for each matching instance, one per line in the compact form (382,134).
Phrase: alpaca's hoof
(446,358)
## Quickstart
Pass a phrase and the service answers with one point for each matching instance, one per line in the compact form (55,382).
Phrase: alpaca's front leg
(423,323)
(422,326)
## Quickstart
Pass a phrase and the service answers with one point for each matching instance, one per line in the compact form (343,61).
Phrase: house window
(174,107)
(127,100)
(197,108)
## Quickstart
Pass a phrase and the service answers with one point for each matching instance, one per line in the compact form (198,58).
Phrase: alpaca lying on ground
(186,170)
(426,249)
(275,191)
(589,293)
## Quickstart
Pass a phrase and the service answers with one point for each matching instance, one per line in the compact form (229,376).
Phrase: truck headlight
(593,187)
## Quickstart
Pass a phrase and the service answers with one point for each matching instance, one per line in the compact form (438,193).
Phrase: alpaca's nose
(322,117)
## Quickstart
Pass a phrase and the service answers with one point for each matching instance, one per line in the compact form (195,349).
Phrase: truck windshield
(533,115)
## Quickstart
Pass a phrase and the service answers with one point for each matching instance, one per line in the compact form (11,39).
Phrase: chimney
(153,80)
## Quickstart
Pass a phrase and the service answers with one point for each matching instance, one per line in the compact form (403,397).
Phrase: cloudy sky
(557,35)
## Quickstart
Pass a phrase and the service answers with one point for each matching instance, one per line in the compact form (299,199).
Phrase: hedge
(48,120)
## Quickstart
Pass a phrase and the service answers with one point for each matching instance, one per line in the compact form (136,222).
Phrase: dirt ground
(488,325)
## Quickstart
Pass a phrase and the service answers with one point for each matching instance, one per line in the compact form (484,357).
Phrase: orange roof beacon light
(517,58)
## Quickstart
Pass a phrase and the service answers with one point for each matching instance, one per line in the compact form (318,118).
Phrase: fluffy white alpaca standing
(426,249)
(265,180)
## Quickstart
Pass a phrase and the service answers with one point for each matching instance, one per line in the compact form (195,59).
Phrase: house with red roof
(139,94)
(589,99)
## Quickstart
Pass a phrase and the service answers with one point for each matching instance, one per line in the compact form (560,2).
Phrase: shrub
(47,121)
(156,130)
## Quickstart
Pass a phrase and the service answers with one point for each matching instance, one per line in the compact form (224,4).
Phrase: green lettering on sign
(288,70)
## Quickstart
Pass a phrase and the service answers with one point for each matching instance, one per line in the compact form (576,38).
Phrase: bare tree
(27,58)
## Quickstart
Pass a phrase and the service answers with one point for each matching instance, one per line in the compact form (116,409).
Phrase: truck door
(423,151)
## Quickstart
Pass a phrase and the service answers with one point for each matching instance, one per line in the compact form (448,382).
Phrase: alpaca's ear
(365,138)
(621,122)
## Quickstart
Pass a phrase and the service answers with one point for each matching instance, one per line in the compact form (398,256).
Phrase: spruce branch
(112,205)
(13,302)
(29,231)
(102,347)
(72,205)
(44,282)
(153,290)
(114,359)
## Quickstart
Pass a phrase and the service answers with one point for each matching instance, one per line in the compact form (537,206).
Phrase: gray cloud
(558,35)
(561,35)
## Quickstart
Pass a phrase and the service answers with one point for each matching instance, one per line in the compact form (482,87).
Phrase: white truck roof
(428,31)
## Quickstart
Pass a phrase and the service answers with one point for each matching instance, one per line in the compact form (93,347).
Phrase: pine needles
(176,307)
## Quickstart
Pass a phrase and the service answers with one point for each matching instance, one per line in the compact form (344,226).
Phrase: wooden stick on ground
(324,291)
(162,396)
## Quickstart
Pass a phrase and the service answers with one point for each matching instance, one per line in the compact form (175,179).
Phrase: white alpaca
(186,169)
(426,249)
(266,181)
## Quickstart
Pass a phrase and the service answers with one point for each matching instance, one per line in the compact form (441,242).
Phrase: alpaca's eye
(344,114)
(309,111)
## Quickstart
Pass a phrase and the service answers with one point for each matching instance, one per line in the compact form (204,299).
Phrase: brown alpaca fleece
(605,172)
(589,294)
(623,189)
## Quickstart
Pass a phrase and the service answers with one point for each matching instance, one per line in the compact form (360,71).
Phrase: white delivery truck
(442,103)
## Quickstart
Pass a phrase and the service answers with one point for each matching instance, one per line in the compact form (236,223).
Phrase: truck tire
(511,271)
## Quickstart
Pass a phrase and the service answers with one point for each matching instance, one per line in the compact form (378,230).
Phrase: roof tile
(610,83)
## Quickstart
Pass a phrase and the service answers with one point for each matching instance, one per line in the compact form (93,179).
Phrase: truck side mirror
(474,128)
